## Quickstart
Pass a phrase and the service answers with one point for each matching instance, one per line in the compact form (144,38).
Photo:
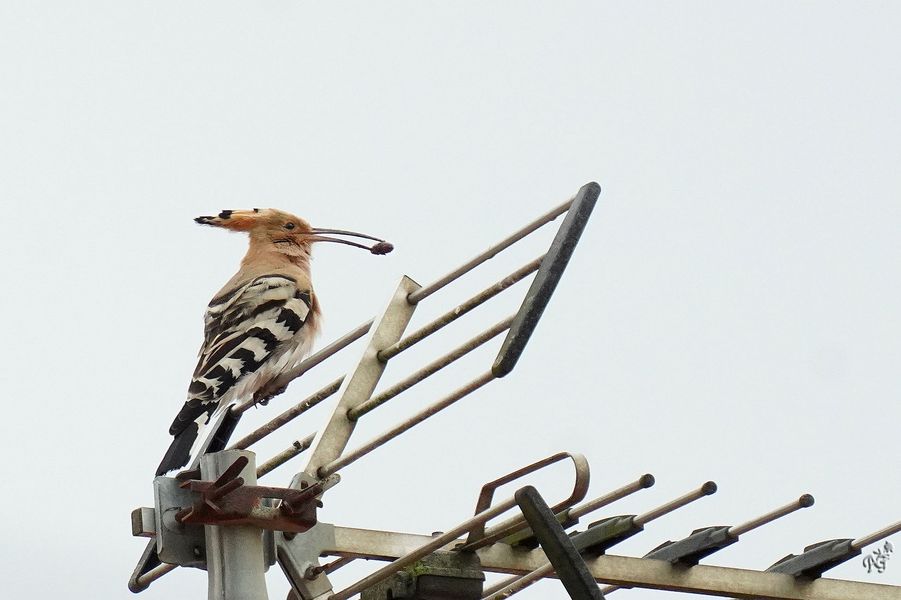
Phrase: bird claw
(265,395)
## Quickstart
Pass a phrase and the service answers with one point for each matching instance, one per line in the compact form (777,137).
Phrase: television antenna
(219,519)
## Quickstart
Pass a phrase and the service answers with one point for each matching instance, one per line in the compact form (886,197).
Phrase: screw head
(312,572)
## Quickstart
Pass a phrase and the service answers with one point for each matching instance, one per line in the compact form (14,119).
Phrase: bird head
(285,232)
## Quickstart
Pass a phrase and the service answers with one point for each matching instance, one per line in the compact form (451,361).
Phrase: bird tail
(179,452)
(196,440)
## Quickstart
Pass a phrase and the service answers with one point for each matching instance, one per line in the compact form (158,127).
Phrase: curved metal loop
(479,536)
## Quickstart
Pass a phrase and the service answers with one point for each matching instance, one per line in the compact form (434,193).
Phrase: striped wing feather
(244,328)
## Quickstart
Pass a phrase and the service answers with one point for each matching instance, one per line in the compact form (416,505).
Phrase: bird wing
(243,329)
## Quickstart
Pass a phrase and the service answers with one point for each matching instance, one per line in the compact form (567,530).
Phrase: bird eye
(289,225)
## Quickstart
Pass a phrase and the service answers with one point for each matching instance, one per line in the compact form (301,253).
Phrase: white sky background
(731,314)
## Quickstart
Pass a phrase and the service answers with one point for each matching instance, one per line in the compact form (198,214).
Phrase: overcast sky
(731,314)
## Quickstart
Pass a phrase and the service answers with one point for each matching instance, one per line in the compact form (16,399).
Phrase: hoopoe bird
(257,328)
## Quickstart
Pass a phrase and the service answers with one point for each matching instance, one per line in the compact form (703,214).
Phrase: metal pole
(234,554)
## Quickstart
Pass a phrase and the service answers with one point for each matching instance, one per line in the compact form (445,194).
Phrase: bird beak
(236,220)
(380,247)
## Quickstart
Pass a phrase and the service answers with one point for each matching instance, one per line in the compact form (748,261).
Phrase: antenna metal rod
(516,584)
(429,370)
(454,314)
(153,574)
(282,380)
(876,536)
(296,447)
(424,550)
(504,583)
(430,289)
(610,588)
(705,490)
(645,481)
(392,433)
(292,413)
(803,502)
(337,564)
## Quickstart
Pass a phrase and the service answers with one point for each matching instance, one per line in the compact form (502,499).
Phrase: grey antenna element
(600,536)
(704,542)
(822,556)
(221,519)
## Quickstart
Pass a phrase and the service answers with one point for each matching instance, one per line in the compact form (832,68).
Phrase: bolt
(197,552)
(312,572)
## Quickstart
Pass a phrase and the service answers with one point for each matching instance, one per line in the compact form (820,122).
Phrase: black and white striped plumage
(252,333)
(257,330)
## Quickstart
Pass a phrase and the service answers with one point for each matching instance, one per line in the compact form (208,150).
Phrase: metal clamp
(227,501)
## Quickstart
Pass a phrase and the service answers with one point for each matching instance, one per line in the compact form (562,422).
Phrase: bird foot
(265,395)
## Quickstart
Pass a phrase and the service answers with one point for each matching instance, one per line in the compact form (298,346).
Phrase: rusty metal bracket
(480,537)
(227,501)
